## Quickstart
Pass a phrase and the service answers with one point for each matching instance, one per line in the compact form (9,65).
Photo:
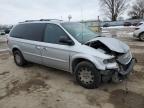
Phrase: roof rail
(50,20)
(42,20)
(30,20)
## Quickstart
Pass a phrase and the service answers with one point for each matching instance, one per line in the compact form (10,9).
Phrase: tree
(114,8)
(137,11)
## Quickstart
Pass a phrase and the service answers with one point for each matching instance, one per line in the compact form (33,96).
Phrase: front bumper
(125,70)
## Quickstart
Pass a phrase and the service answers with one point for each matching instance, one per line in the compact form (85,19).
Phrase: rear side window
(32,31)
(53,33)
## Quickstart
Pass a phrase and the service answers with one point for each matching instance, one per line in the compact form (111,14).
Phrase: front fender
(96,61)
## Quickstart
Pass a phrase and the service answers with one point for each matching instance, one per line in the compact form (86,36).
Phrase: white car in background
(139,31)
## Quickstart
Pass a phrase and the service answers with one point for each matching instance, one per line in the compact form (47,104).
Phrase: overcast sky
(14,11)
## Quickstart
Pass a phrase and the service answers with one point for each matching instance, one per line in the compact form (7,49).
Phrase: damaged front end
(119,67)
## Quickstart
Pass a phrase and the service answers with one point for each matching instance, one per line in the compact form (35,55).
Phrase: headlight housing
(113,60)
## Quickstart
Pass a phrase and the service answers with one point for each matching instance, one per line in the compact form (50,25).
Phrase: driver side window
(53,33)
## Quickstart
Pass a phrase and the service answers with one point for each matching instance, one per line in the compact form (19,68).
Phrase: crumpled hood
(113,44)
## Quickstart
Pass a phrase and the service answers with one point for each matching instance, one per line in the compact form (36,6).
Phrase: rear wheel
(87,75)
(141,37)
(18,58)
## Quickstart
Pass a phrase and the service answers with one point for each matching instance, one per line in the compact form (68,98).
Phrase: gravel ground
(37,86)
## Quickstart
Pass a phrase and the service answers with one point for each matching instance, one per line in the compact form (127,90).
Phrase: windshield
(79,31)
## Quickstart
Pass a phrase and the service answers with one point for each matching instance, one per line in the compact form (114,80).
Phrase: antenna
(82,23)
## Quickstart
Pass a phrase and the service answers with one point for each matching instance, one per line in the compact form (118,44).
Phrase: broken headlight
(113,60)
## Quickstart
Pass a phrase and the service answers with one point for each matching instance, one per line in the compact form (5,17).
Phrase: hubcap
(86,76)
(17,58)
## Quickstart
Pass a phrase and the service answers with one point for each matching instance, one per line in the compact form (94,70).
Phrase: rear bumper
(129,69)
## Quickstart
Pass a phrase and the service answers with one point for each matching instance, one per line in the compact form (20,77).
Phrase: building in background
(94,25)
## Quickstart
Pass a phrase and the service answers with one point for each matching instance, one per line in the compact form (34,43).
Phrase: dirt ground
(3,45)
(37,86)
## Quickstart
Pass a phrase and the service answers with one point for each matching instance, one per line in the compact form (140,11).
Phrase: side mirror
(66,40)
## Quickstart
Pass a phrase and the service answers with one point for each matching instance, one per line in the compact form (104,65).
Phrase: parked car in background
(139,24)
(135,23)
(71,47)
(106,25)
(2,33)
(127,24)
(139,31)
(7,31)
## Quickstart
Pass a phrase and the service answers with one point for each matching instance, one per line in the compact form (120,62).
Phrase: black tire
(94,75)
(141,37)
(22,61)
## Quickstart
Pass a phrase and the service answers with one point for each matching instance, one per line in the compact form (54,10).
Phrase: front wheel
(87,75)
(141,37)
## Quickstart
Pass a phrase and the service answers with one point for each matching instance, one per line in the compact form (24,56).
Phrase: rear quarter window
(32,31)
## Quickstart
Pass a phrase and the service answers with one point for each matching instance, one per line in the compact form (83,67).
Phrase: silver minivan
(72,47)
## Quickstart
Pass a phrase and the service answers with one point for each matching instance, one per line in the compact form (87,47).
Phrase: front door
(55,54)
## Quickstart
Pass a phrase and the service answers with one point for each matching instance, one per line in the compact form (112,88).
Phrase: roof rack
(42,20)
(30,20)
(50,20)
